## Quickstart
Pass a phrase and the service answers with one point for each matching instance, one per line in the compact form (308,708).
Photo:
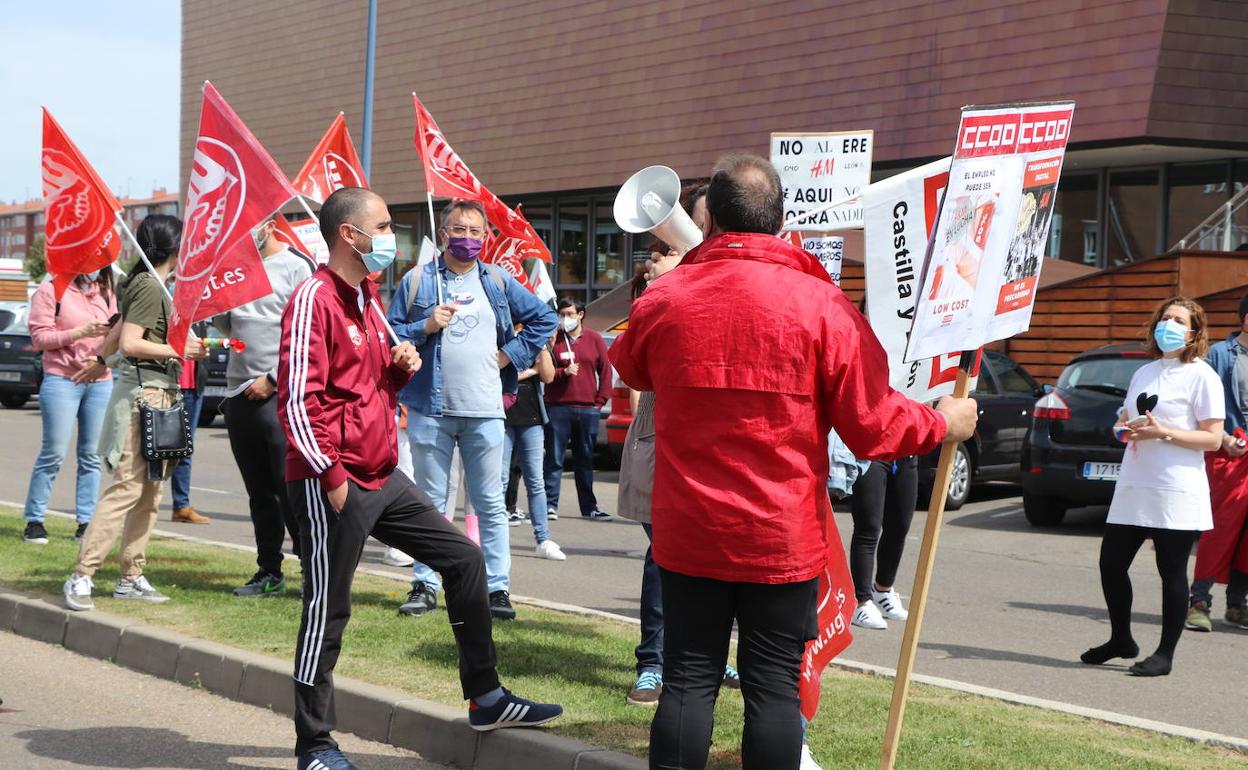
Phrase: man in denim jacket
(464,331)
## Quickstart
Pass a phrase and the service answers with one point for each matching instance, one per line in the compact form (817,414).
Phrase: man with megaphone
(753,354)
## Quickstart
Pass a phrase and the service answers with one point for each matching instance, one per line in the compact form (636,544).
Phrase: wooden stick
(923,577)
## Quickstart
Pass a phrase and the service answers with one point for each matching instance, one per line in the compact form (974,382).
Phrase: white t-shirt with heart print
(1179,396)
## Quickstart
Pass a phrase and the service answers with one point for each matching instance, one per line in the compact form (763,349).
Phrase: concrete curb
(437,732)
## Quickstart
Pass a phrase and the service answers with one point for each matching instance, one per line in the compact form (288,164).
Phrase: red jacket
(753,354)
(336,385)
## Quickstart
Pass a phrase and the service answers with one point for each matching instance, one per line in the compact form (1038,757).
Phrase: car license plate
(1105,471)
(10,376)
(215,391)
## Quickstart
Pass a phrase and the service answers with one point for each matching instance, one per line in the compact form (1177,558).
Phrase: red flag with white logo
(332,166)
(502,251)
(234,186)
(835,610)
(514,227)
(79,211)
(445,174)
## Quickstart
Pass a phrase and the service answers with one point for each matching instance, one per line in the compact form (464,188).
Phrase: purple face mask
(463,249)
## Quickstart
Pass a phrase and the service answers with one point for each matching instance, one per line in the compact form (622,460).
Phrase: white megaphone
(650,202)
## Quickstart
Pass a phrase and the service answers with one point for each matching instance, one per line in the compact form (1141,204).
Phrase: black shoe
(82,530)
(35,533)
(596,515)
(262,584)
(500,606)
(421,599)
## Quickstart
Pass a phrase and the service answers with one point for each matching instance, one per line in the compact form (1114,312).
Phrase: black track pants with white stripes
(400,516)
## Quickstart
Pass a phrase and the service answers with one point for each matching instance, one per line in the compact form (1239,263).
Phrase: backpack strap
(413,283)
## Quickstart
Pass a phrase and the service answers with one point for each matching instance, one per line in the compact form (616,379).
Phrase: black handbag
(165,431)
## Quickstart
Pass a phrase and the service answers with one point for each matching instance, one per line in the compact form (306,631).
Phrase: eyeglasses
(459,231)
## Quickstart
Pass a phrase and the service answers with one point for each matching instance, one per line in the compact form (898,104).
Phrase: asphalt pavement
(63,710)
(1011,607)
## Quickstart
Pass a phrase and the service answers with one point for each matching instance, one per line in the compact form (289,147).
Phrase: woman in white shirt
(1172,415)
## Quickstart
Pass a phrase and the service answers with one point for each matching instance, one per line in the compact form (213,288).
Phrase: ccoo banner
(820,168)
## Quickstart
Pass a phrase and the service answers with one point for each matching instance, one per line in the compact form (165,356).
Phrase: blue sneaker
(325,759)
(511,711)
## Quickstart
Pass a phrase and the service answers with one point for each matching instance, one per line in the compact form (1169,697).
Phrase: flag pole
(433,234)
(308,209)
(923,576)
(135,241)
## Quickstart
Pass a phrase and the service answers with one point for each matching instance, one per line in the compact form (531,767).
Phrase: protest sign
(819,168)
(830,249)
(983,269)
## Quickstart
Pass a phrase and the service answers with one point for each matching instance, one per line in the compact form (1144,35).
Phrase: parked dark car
(21,366)
(1005,393)
(215,384)
(1070,456)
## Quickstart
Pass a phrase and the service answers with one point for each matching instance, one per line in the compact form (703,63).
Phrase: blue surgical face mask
(92,276)
(382,251)
(1170,335)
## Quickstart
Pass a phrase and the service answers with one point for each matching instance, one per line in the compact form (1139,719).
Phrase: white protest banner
(820,168)
(310,233)
(830,249)
(899,214)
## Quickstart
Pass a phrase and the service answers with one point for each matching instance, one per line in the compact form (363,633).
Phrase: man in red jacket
(338,380)
(753,354)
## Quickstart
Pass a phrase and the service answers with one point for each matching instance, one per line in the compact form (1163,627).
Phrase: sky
(110,72)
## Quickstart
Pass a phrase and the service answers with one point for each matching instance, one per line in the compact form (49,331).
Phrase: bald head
(346,206)
(745,195)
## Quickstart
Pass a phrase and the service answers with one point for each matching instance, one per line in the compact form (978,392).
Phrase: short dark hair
(343,205)
(745,195)
(571,302)
(1243,309)
(464,205)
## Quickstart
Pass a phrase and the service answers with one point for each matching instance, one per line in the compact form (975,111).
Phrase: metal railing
(1224,230)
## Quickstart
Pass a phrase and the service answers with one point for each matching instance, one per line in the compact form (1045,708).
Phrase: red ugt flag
(234,186)
(79,211)
(836,608)
(332,166)
(514,227)
(445,174)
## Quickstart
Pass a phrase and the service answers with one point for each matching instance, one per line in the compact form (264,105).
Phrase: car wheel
(14,400)
(1043,511)
(959,479)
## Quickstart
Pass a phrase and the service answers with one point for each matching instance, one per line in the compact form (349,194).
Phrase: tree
(34,264)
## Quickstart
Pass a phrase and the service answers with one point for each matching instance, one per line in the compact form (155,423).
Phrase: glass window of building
(609,256)
(573,248)
(1196,191)
(1073,233)
(1132,209)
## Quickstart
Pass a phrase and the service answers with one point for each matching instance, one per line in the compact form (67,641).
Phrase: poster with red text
(983,263)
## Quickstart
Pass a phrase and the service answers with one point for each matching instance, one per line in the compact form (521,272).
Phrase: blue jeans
(578,424)
(181,480)
(62,404)
(531,440)
(480,441)
(649,651)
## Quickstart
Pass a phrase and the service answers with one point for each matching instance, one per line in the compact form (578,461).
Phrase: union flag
(333,165)
(446,175)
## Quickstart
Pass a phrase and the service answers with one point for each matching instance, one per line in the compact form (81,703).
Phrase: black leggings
(883,507)
(1118,550)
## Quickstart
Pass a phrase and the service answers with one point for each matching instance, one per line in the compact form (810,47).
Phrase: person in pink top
(74,391)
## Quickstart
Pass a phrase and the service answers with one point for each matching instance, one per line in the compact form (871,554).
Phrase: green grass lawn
(587,665)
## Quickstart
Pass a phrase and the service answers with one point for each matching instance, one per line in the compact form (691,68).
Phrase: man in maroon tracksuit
(338,379)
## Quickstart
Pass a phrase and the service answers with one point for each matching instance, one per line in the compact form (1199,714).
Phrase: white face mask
(570,324)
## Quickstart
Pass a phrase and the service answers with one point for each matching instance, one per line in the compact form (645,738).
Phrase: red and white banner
(304,236)
(835,610)
(333,165)
(234,186)
(445,174)
(983,270)
(515,234)
(80,213)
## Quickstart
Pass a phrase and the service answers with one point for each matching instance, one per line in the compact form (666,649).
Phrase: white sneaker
(808,762)
(549,549)
(890,604)
(868,616)
(552,514)
(396,558)
(138,589)
(78,593)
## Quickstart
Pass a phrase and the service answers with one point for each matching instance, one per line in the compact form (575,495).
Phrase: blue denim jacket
(511,305)
(843,468)
(1222,358)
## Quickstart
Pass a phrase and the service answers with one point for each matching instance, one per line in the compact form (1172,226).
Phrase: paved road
(1011,607)
(63,710)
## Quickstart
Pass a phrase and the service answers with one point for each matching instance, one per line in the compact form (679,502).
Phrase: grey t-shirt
(1241,377)
(259,323)
(471,385)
